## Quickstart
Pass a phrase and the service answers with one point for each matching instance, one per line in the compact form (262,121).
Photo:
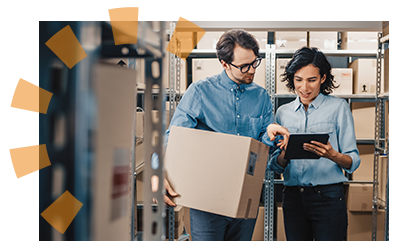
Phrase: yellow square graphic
(124,22)
(30,97)
(27,160)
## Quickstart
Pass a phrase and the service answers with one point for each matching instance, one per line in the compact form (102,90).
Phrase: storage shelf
(384,96)
(385,39)
(279,181)
(212,52)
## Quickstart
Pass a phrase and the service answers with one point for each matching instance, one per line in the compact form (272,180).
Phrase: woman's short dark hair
(306,56)
(228,41)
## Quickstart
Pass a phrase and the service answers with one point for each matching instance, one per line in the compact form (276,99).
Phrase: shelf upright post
(153,175)
(269,175)
(172,69)
(378,133)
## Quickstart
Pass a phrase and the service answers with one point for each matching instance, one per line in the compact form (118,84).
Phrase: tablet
(294,149)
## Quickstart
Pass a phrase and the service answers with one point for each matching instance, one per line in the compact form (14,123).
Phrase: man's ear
(224,65)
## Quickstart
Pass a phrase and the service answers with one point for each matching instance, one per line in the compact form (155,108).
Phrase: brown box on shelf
(258,234)
(365,172)
(343,79)
(364,76)
(359,41)
(360,226)
(364,119)
(385,77)
(359,197)
(285,40)
(382,177)
(385,28)
(323,40)
(280,87)
(280,227)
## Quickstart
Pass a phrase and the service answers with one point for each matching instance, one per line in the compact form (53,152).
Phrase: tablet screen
(295,149)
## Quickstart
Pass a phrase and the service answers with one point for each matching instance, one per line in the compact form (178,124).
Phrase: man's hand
(275,129)
(169,192)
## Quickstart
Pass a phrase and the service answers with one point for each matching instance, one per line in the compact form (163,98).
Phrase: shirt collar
(316,103)
(229,84)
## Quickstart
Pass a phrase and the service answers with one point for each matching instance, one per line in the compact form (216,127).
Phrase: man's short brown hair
(230,39)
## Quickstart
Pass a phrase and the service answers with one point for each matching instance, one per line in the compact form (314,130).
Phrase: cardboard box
(385,79)
(323,40)
(209,40)
(365,172)
(206,67)
(359,197)
(360,226)
(280,226)
(201,168)
(364,76)
(280,87)
(386,122)
(359,41)
(364,119)
(258,234)
(385,28)
(382,177)
(343,79)
(115,92)
(290,40)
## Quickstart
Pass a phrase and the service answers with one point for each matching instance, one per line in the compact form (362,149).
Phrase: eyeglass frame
(248,65)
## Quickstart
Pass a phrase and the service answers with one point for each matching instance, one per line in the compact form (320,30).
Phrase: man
(228,103)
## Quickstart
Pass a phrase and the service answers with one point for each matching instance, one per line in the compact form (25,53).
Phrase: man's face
(241,57)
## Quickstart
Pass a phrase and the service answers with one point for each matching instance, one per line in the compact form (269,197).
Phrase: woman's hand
(320,149)
(275,129)
(326,150)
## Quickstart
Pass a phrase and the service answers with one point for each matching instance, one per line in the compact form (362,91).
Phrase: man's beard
(245,79)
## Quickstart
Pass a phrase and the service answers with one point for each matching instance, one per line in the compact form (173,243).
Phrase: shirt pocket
(255,125)
(322,127)
(292,129)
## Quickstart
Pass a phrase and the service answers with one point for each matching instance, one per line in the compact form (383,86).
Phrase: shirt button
(302,190)
(231,89)
(237,98)
(238,134)
(238,116)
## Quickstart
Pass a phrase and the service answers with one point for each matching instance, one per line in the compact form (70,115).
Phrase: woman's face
(307,83)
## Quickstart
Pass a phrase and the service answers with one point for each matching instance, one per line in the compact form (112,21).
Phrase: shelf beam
(290,25)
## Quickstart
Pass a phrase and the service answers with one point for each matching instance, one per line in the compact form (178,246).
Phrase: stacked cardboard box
(364,119)
(385,28)
(290,40)
(359,41)
(280,87)
(323,40)
(365,171)
(359,210)
(385,76)
(210,39)
(382,177)
(364,76)
(343,79)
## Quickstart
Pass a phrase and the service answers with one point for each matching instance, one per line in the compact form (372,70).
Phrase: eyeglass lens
(255,64)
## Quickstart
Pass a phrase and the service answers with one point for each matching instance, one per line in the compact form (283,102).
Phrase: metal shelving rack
(270,54)
(76,158)
(381,145)
(150,44)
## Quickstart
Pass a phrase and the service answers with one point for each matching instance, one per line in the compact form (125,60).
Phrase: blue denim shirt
(325,114)
(218,104)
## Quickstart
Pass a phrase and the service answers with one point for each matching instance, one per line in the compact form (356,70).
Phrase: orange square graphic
(67,47)
(124,22)
(30,97)
(185,38)
(27,160)
(62,211)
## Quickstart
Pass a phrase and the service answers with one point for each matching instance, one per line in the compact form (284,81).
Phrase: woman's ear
(323,78)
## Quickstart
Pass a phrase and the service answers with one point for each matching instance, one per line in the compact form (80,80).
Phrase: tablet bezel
(294,149)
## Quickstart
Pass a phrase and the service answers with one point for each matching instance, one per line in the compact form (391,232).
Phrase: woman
(313,199)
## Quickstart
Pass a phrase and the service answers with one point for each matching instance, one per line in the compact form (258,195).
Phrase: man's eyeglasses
(246,67)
